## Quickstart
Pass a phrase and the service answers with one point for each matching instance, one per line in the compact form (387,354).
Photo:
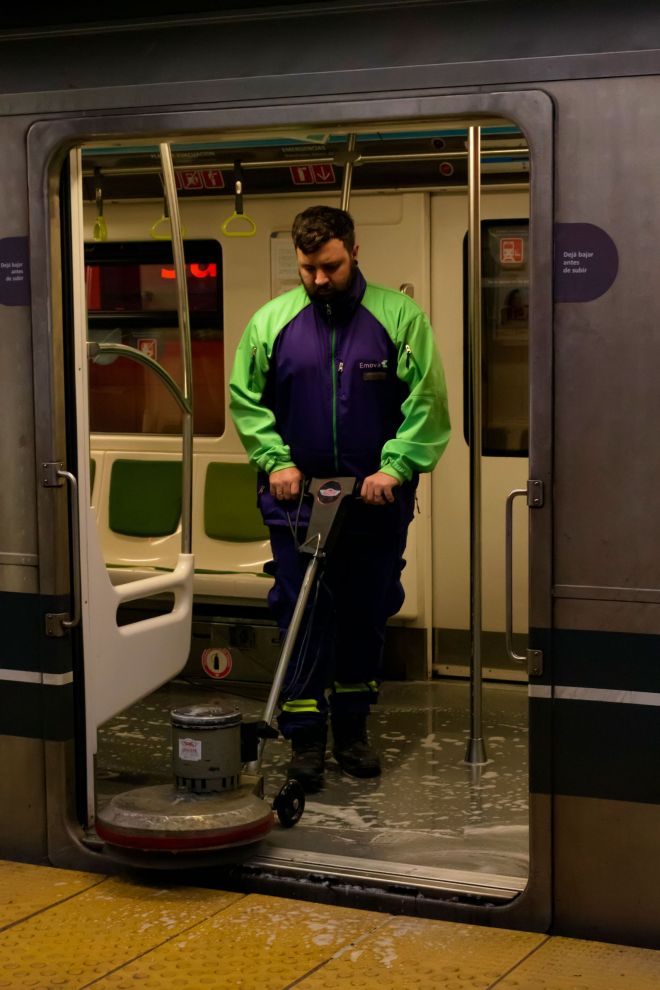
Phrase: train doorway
(424,720)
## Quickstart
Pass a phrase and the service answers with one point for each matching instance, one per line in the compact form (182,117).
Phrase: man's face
(328,271)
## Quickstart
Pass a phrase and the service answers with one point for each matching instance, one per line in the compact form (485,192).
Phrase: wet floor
(429,815)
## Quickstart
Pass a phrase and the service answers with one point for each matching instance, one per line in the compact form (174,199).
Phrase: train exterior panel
(583,92)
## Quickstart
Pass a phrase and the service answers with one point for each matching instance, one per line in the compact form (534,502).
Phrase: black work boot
(308,757)
(351,748)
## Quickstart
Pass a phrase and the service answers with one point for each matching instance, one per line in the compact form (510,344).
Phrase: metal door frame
(49,141)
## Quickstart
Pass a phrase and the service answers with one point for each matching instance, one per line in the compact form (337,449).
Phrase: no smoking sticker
(217,662)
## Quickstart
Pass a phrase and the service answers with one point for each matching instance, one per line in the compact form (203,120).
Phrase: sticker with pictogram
(189,178)
(197,179)
(312,175)
(512,250)
(212,178)
(217,662)
(148,346)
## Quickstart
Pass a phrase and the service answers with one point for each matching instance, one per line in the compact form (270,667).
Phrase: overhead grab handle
(166,235)
(239,224)
(100,232)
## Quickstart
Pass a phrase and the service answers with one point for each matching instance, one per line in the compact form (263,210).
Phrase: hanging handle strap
(167,236)
(164,218)
(246,225)
(238,188)
(100,232)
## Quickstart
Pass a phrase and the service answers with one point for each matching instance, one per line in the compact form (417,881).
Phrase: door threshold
(381,873)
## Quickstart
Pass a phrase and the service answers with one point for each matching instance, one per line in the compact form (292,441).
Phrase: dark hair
(318,224)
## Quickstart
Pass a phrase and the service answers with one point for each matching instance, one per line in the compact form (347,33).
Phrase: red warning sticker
(148,346)
(512,250)
(217,662)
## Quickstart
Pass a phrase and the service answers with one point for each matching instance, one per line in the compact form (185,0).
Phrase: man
(338,378)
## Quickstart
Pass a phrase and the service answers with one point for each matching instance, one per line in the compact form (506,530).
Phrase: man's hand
(377,489)
(286,483)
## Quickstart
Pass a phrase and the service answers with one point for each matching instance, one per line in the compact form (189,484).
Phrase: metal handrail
(181,393)
(133,354)
(169,183)
(476,750)
(75,550)
(347,177)
(508,572)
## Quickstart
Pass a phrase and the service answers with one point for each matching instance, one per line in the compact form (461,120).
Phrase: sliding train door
(125,660)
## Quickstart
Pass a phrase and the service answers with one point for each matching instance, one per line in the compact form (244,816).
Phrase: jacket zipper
(334,390)
(337,379)
(410,358)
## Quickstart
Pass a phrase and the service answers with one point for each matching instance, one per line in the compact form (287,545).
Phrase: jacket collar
(339,312)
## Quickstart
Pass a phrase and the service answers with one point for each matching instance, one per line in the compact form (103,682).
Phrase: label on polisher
(190,749)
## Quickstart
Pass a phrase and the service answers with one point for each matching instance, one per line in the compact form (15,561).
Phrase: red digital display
(144,288)
(192,271)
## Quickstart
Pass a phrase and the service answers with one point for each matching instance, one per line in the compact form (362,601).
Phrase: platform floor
(70,930)
(429,816)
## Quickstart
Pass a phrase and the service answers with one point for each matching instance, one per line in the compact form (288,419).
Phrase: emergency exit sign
(312,175)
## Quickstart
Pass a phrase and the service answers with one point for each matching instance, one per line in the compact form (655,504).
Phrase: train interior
(432,820)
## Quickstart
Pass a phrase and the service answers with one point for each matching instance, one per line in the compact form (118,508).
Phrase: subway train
(499,160)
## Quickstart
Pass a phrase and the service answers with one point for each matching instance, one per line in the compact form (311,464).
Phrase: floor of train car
(429,816)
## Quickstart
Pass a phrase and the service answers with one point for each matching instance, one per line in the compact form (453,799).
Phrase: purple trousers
(339,648)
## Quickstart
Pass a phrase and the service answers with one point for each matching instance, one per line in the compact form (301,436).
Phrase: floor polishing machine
(215,805)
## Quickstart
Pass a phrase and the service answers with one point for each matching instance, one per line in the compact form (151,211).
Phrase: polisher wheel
(290,803)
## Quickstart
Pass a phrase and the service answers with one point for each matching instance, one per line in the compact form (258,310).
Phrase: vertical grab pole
(347,177)
(186,345)
(476,749)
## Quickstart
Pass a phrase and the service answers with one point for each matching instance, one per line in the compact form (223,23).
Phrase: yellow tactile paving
(263,942)
(416,954)
(25,889)
(573,964)
(71,930)
(88,936)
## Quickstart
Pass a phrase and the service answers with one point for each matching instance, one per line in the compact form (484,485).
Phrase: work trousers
(340,643)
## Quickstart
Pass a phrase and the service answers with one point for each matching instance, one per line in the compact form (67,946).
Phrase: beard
(330,294)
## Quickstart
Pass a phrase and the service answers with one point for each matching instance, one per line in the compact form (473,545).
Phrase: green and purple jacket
(348,388)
